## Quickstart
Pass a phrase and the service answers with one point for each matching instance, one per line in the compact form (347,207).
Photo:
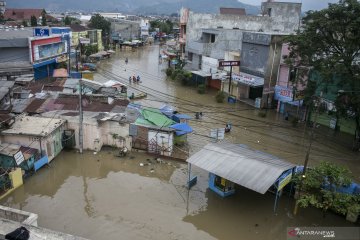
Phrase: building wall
(76,36)
(110,131)
(127,29)
(50,145)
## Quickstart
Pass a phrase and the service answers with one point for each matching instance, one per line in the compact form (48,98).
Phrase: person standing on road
(130,80)
(134,79)
(138,79)
(126,60)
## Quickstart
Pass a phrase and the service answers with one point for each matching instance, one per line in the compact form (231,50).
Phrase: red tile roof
(21,14)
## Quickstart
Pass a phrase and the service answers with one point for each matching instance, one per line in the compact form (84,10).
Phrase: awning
(181,128)
(248,79)
(240,164)
(201,73)
(60,73)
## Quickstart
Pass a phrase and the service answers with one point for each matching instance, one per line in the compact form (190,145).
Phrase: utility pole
(80,118)
(230,80)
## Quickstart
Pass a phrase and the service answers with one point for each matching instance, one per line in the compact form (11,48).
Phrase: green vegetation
(89,49)
(179,75)
(99,22)
(33,21)
(70,20)
(220,96)
(328,42)
(164,26)
(43,18)
(318,189)
(201,88)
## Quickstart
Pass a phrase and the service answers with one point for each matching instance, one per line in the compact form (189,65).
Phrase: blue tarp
(177,117)
(167,110)
(182,128)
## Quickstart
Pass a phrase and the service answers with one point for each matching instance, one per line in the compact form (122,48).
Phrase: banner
(49,50)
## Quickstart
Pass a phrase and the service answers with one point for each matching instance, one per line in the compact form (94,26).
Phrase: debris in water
(256,225)
(132,157)
(95,153)
(152,170)
(141,164)
(98,160)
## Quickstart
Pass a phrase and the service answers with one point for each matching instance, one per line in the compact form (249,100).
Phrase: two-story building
(220,37)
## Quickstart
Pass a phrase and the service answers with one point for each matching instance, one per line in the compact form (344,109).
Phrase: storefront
(248,86)
(47,52)
(286,99)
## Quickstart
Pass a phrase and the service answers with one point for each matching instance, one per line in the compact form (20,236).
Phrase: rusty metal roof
(34,106)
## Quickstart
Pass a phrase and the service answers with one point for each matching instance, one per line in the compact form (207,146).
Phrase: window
(212,38)
(190,56)
(269,12)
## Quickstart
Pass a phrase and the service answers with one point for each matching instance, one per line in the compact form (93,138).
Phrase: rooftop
(240,164)
(33,126)
(22,13)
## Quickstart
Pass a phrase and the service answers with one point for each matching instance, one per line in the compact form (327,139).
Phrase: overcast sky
(306,4)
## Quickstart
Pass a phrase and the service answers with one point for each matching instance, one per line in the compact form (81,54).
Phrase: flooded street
(101,196)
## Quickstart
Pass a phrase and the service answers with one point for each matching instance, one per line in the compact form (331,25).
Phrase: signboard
(19,157)
(248,79)
(229,63)
(299,95)
(49,50)
(268,90)
(84,40)
(217,133)
(285,94)
(41,32)
(284,182)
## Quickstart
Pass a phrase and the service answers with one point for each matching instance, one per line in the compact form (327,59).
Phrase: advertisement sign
(229,63)
(284,182)
(49,50)
(84,40)
(41,32)
(299,95)
(19,157)
(248,79)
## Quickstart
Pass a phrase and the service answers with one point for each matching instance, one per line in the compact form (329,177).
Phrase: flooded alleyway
(101,196)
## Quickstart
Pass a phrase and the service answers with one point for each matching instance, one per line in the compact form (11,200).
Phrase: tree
(2,19)
(67,20)
(43,18)
(24,23)
(33,21)
(99,22)
(328,42)
(320,188)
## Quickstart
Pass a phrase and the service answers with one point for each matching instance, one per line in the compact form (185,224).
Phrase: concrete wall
(50,145)
(111,131)
(284,18)
(126,29)
(7,226)
(18,215)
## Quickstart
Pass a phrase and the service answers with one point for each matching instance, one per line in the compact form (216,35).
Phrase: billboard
(41,32)
(49,50)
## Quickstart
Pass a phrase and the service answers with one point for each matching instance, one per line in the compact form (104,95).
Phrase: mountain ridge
(133,6)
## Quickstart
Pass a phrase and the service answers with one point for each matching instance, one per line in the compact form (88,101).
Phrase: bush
(201,88)
(220,96)
(169,71)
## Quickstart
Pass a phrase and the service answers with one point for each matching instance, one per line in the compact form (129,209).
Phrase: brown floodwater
(101,196)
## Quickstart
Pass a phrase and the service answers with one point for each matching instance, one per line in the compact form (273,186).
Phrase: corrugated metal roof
(240,164)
